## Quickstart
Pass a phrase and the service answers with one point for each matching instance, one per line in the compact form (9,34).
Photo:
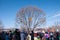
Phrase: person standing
(10,35)
(32,35)
(23,35)
(1,37)
(17,34)
(51,36)
(7,36)
(57,37)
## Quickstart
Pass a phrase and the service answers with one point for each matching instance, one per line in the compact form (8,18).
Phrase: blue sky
(9,8)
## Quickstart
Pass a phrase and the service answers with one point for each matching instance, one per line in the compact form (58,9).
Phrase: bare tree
(57,24)
(30,17)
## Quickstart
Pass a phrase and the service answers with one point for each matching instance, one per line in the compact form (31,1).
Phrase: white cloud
(56,15)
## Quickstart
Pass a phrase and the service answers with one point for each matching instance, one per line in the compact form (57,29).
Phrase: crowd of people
(48,36)
(15,35)
(23,35)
